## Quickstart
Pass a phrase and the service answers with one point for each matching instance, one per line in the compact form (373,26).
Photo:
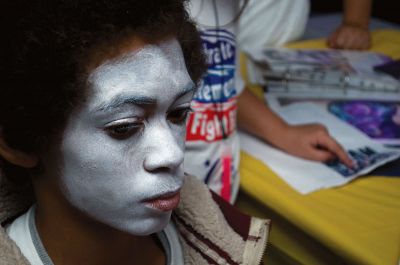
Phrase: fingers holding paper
(312,141)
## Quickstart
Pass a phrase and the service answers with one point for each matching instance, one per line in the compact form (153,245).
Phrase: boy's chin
(147,227)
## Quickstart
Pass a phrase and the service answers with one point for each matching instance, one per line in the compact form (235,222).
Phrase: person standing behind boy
(274,23)
(212,146)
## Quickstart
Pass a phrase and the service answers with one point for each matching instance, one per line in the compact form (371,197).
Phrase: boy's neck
(70,237)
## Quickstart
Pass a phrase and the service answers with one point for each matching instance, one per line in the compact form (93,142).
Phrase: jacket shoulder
(211,230)
(10,254)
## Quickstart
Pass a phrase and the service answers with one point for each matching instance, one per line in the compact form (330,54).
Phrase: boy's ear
(17,157)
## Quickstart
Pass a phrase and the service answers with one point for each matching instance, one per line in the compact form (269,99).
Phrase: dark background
(388,10)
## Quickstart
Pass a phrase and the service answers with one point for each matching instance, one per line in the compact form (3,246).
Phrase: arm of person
(353,33)
(310,141)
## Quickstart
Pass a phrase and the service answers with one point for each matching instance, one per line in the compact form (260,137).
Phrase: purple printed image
(379,120)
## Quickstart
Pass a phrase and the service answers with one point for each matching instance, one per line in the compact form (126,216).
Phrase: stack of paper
(322,73)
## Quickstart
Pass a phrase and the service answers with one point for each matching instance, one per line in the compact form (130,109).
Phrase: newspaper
(307,176)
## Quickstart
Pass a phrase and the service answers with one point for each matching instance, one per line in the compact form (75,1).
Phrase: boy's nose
(164,153)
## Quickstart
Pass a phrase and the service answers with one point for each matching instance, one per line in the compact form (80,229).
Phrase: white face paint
(125,145)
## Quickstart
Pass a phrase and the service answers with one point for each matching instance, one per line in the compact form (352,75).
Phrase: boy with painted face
(92,116)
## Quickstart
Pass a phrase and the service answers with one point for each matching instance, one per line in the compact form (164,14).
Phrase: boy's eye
(123,131)
(179,116)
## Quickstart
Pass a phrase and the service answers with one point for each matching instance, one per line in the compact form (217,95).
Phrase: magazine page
(378,119)
(307,176)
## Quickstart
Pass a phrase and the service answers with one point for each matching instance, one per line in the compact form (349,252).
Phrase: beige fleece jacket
(210,230)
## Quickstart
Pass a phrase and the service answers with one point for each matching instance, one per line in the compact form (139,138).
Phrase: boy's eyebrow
(121,100)
(188,88)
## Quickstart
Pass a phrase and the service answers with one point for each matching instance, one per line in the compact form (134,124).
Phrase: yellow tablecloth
(358,223)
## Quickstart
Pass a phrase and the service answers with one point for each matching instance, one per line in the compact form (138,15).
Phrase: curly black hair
(44,47)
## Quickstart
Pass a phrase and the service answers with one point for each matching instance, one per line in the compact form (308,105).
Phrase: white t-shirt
(23,231)
(212,144)
(271,23)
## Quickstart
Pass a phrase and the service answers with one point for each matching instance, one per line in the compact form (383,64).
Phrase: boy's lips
(165,202)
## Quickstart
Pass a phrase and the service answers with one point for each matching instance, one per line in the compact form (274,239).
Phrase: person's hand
(351,37)
(312,141)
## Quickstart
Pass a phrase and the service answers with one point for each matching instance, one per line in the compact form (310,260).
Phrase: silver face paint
(125,144)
